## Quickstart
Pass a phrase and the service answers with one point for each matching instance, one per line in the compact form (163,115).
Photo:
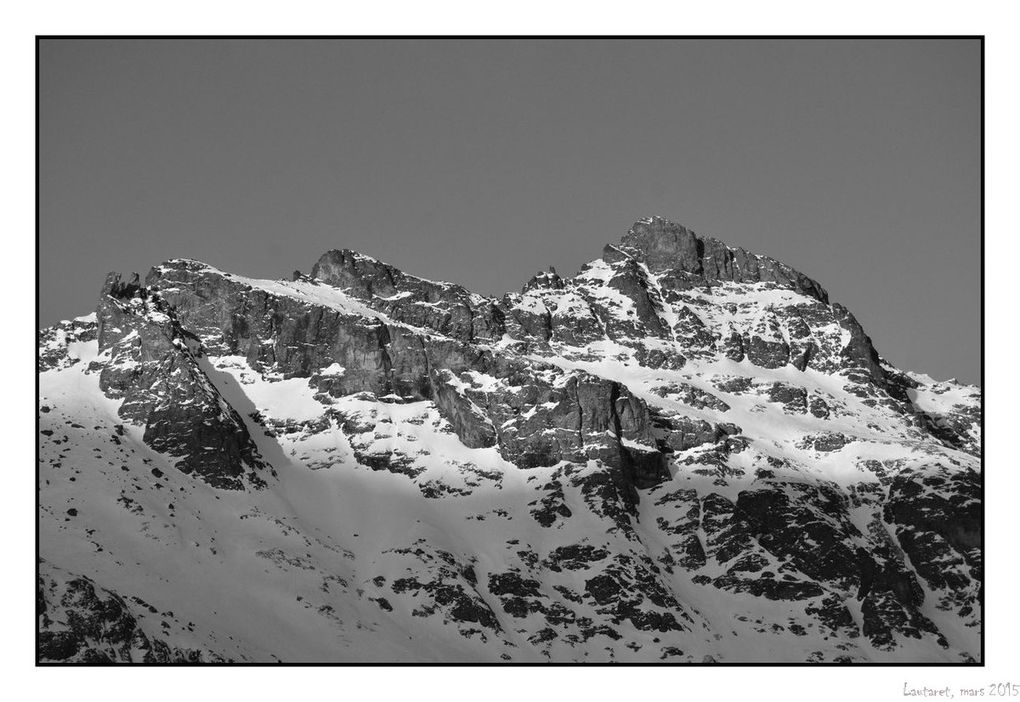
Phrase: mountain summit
(682,453)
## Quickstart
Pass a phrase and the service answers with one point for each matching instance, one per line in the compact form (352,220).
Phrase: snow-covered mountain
(684,453)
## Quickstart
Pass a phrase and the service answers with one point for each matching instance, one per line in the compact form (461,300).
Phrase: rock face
(666,247)
(156,372)
(82,623)
(683,452)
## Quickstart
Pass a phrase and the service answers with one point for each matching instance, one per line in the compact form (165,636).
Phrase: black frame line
(979,38)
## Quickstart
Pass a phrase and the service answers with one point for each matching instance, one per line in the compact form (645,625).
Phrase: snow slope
(605,480)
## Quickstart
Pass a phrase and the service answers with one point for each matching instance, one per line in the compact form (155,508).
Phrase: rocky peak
(363,275)
(154,366)
(544,280)
(665,246)
(115,287)
(367,277)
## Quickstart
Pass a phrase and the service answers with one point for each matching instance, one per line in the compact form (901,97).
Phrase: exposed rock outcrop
(567,473)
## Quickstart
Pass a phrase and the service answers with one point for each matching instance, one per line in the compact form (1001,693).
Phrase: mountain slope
(682,453)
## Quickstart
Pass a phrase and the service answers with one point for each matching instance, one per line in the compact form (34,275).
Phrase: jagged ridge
(692,424)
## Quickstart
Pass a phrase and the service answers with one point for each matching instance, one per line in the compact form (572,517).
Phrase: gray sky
(480,162)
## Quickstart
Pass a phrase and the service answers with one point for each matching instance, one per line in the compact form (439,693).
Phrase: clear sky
(481,162)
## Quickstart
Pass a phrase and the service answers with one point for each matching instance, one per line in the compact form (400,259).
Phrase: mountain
(683,453)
